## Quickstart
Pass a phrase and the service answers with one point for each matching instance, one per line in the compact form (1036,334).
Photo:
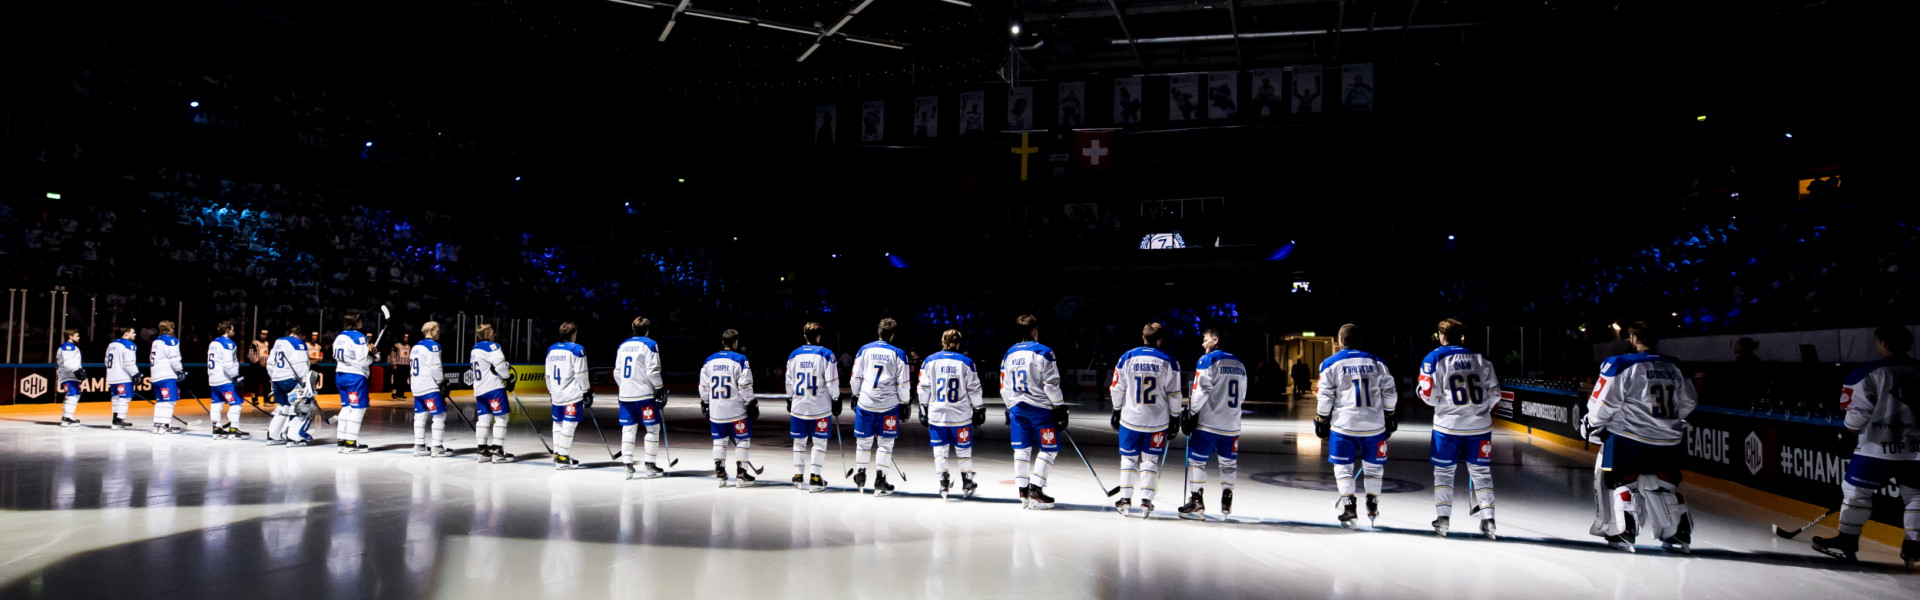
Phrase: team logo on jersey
(1599,386)
(890,423)
(227,396)
(740,427)
(1846,398)
(431,404)
(820,425)
(1382,451)
(120,389)
(165,395)
(964,435)
(1046,436)
(1159,439)
(494,404)
(647,413)
(1236,445)
(573,410)
(353,396)
(1486,448)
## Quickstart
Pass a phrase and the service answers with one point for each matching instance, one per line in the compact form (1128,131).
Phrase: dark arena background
(1712,188)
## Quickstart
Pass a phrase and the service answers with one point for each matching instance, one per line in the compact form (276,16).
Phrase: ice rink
(93,513)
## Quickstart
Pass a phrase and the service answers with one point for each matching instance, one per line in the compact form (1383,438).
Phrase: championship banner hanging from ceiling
(823,123)
(1020,108)
(926,117)
(1183,98)
(1223,94)
(1026,151)
(973,112)
(1356,87)
(873,121)
(1073,96)
(1126,100)
(1306,89)
(1093,150)
(1269,89)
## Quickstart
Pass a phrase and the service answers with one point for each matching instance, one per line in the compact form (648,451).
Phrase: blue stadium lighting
(196,104)
(369,144)
(1789,136)
(1282,253)
(515,178)
(1449,238)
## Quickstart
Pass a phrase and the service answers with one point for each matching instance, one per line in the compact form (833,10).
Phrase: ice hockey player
(123,373)
(726,396)
(643,394)
(1638,412)
(224,383)
(952,407)
(165,378)
(1036,412)
(814,378)
(1355,415)
(428,379)
(293,401)
(882,383)
(1212,424)
(1879,399)
(1146,384)
(353,363)
(567,384)
(69,374)
(1462,388)
(492,379)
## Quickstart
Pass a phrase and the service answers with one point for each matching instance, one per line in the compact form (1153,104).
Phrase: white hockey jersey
(1877,397)
(351,355)
(636,367)
(490,368)
(726,381)
(68,366)
(165,358)
(881,377)
(425,369)
(1219,386)
(223,362)
(1029,375)
(1462,388)
(1643,397)
(1146,387)
(1356,393)
(122,365)
(813,376)
(950,387)
(288,360)
(567,372)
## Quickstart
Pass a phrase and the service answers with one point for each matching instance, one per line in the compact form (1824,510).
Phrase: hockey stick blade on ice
(1111,492)
(530,427)
(1790,533)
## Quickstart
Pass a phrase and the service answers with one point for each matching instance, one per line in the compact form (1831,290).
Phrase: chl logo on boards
(33,386)
(1756,453)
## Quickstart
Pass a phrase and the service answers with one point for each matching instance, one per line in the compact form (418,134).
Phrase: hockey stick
(529,417)
(611,454)
(190,424)
(1790,533)
(448,398)
(1083,459)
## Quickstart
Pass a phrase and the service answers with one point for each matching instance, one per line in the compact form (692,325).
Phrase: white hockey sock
(628,435)
(966,459)
(1022,462)
(1911,520)
(120,408)
(420,429)
(940,459)
(1196,473)
(800,455)
(863,447)
(439,429)
(1482,478)
(742,451)
(162,413)
(500,423)
(1443,490)
(720,449)
(1229,472)
(350,421)
(1374,472)
(1149,476)
(1343,479)
(819,459)
(563,436)
(1129,471)
(70,406)
(1042,467)
(883,457)
(652,443)
(233,415)
(1856,506)
(482,427)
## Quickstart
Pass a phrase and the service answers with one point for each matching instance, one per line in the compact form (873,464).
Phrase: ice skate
(1146,509)
(354,447)
(1621,543)
(500,455)
(421,450)
(632,473)
(1487,529)
(1845,547)
(1373,509)
(234,433)
(1226,502)
(1040,499)
(742,477)
(967,486)
(946,483)
(1125,506)
(296,442)
(1910,552)
(816,484)
(880,485)
(441,452)
(720,472)
(799,482)
(860,481)
(1348,517)
(67,422)
(1195,509)
(1025,500)
(562,462)
(1441,525)
(119,423)
(486,453)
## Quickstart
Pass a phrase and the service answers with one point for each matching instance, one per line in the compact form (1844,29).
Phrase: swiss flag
(1093,150)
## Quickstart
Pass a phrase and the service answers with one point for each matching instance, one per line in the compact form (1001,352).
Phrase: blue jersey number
(1363,392)
(1466,389)
(722,387)
(1143,388)
(804,385)
(1233,393)
(946,389)
(1020,381)
(626,367)
(1662,401)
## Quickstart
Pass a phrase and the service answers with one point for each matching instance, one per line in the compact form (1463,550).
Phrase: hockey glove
(753,410)
(1589,432)
(979,417)
(1322,427)
(660,398)
(1116,420)
(1393,423)
(80,374)
(1060,416)
(706,408)
(586,400)
(837,405)
(923,416)
(1189,423)
(511,381)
